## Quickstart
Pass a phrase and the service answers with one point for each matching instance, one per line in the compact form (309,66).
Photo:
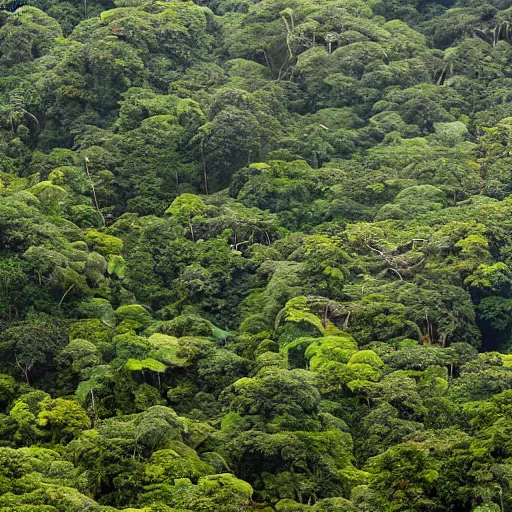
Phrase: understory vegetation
(256,256)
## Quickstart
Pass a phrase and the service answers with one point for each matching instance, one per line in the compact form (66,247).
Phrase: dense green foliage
(256,256)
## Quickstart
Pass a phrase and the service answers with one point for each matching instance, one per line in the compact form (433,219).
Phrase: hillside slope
(255,256)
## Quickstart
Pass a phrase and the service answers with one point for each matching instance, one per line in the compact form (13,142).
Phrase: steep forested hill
(256,256)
